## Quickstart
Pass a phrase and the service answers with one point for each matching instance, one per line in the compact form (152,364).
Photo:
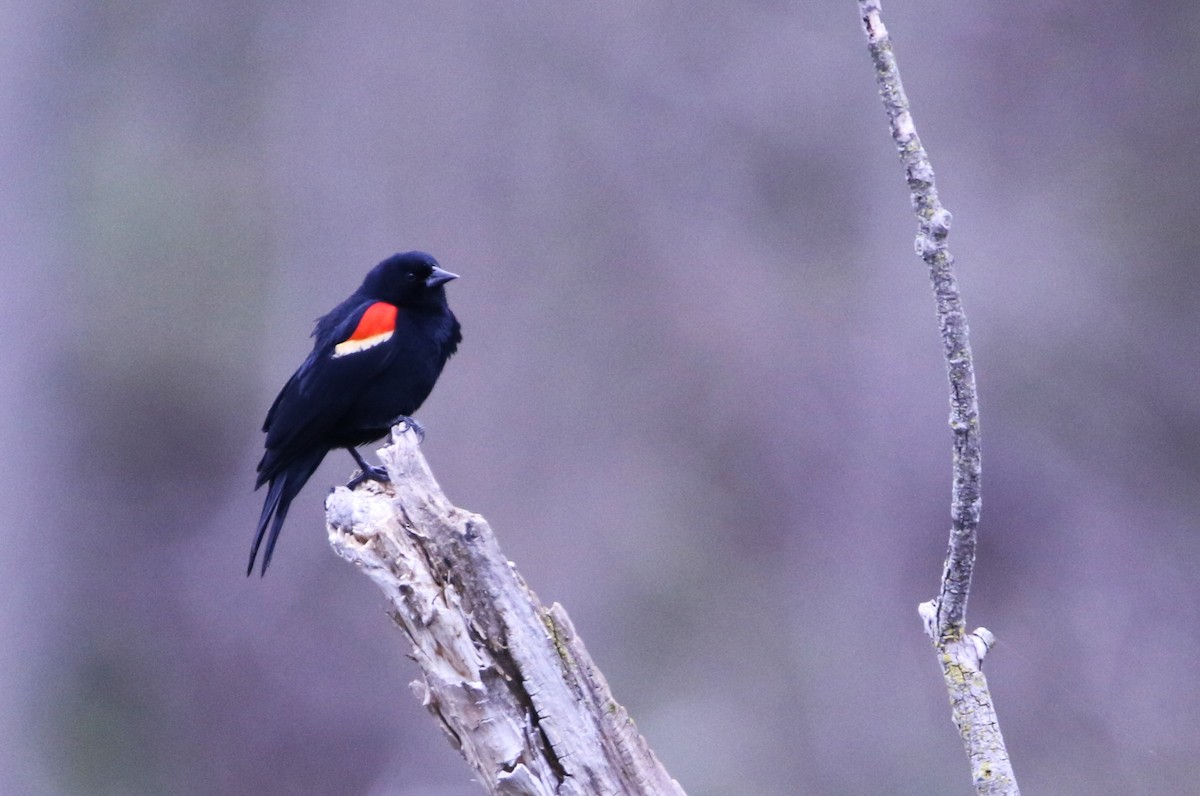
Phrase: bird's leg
(412,423)
(369,472)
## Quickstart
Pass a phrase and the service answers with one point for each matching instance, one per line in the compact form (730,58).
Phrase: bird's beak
(439,277)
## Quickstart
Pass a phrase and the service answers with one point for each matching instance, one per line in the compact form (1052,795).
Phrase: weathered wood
(508,680)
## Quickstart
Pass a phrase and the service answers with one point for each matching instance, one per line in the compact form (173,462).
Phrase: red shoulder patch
(380,318)
(376,326)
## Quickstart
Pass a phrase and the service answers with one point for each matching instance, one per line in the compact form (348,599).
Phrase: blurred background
(700,398)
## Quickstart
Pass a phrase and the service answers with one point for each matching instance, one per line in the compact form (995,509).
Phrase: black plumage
(375,359)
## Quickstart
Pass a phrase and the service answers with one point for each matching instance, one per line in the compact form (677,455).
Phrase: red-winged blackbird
(375,359)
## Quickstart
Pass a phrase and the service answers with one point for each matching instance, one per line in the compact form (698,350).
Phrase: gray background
(700,397)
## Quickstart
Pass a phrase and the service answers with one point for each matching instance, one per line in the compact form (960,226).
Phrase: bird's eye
(410,276)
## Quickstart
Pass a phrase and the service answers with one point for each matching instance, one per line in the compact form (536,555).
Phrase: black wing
(314,403)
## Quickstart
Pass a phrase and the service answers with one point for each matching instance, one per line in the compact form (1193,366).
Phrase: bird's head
(407,279)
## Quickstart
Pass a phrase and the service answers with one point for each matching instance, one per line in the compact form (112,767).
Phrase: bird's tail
(284,487)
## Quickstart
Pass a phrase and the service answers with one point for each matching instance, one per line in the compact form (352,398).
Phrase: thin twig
(945,617)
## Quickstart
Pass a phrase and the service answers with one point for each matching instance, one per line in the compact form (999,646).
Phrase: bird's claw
(411,423)
(370,473)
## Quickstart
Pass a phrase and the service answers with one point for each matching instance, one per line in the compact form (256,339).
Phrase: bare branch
(945,616)
(510,682)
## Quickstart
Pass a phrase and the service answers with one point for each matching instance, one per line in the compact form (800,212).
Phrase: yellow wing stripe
(353,346)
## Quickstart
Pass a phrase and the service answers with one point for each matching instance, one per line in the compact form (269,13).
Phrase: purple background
(701,396)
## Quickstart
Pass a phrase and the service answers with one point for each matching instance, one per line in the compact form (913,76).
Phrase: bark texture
(507,679)
(960,655)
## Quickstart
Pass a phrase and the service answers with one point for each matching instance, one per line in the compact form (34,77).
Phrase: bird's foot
(370,473)
(411,423)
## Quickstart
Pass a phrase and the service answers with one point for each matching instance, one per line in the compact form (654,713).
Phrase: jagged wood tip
(509,681)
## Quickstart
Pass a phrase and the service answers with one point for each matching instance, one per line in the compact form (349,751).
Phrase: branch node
(984,640)
(929,617)
(939,223)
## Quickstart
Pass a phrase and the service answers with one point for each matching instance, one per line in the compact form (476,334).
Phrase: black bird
(374,361)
